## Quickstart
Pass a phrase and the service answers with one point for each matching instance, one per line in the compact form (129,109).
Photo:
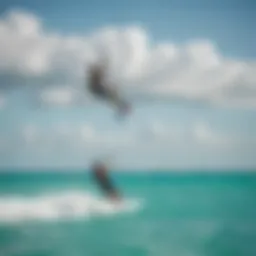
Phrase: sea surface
(164,214)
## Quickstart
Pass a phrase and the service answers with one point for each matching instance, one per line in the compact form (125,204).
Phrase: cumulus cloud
(155,135)
(57,96)
(199,133)
(195,71)
(30,133)
(205,135)
(93,137)
(159,132)
(87,132)
(79,136)
(65,144)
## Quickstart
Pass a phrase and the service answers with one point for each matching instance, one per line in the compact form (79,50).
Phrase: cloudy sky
(188,68)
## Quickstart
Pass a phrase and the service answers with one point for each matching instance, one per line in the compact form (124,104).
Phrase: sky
(189,70)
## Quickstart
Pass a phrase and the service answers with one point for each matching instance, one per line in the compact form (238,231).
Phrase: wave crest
(62,205)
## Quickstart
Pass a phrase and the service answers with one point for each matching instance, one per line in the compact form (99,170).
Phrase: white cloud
(157,129)
(106,139)
(158,137)
(68,143)
(200,133)
(30,133)
(72,136)
(203,134)
(57,96)
(194,71)
(160,133)
(87,133)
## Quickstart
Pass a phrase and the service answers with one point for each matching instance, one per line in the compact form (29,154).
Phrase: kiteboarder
(100,88)
(100,174)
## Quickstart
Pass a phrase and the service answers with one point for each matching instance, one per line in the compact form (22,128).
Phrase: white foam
(62,205)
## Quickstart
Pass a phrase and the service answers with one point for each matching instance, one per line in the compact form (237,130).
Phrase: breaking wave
(61,205)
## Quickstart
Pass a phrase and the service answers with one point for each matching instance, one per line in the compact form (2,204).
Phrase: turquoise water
(165,214)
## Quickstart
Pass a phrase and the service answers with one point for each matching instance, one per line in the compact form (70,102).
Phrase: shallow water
(164,214)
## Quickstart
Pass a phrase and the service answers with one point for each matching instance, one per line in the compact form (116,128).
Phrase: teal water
(180,214)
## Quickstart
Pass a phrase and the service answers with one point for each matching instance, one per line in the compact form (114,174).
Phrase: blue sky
(201,53)
(230,24)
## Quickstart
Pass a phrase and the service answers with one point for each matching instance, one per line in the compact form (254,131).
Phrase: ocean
(164,214)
